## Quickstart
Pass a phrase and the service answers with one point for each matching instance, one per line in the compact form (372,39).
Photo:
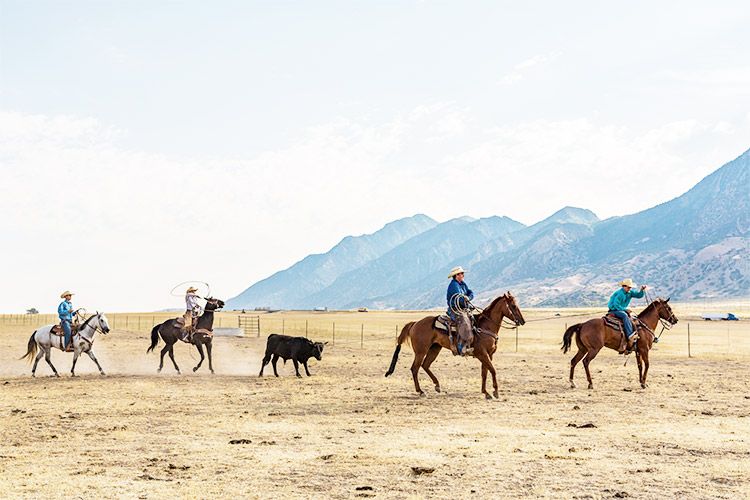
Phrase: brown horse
(427,341)
(594,334)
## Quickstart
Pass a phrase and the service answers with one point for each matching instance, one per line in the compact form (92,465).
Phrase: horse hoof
(195,369)
(643,386)
(437,388)
(591,386)
(57,375)
(421,394)
(103,374)
(158,370)
(487,396)
(573,385)
(212,372)
(33,376)
(496,394)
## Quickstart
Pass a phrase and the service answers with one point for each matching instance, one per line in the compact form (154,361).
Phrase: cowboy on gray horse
(65,312)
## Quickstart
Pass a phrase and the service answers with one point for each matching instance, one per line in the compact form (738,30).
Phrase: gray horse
(43,340)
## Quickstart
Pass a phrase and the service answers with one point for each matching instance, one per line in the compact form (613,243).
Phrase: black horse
(170,333)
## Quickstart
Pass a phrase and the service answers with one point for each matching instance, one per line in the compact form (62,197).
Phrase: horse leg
(432,353)
(199,346)
(486,361)
(418,358)
(36,361)
(588,359)
(640,366)
(75,359)
(644,355)
(93,358)
(171,356)
(47,353)
(164,350)
(208,352)
(273,363)
(573,362)
(484,379)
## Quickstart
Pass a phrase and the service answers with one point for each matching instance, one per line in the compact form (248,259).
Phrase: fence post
(305,328)
(689,340)
(258,326)
(516,339)
(283,329)
(127,320)
(362,337)
(333,342)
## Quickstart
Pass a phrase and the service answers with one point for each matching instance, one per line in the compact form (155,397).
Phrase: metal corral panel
(229,332)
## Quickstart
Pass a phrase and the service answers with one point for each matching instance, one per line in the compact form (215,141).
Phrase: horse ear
(97,313)
(667,300)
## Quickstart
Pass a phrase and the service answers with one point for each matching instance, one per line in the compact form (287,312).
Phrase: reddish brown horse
(427,341)
(594,334)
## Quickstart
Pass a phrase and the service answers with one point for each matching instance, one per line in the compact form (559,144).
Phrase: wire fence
(690,338)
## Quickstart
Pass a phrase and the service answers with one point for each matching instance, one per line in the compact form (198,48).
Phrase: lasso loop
(174,292)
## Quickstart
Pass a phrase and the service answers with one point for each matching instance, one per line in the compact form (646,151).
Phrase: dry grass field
(349,432)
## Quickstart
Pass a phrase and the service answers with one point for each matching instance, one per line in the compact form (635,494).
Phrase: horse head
(213,304)
(103,323)
(512,311)
(665,311)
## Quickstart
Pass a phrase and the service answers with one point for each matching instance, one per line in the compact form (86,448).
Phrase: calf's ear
(325,343)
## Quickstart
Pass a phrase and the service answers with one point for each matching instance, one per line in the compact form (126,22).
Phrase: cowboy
(192,309)
(618,305)
(65,312)
(457,295)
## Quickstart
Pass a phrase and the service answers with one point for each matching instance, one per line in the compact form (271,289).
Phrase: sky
(146,143)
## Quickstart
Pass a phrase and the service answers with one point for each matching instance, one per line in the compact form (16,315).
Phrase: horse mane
(491,306)
(651,305)
(87,322)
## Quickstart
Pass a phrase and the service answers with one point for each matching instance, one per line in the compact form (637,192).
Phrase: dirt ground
(349,432)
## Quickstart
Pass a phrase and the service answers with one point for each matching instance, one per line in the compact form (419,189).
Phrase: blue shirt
(455,287)
(65,310)
(620,300)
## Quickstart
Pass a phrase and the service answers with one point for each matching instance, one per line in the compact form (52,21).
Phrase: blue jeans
(625,321)
(68,332)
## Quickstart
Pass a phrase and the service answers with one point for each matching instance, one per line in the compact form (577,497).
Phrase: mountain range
(694,246)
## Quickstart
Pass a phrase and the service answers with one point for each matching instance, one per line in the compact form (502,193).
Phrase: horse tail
(568,336)
(32,348)
(403,337)
(154,337)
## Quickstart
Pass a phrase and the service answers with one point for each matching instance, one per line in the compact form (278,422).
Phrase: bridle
(502,324)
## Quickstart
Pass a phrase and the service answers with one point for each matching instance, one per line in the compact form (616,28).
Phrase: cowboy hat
(627,282)
(66,293)
(191,289)
(455,271)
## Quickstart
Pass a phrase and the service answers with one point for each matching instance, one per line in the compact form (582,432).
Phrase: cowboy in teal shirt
(65,312)
(619,302)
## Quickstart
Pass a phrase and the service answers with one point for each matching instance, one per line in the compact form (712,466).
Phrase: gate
(250,325)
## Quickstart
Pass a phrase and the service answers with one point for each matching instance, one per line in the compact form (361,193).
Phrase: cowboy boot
(452,343)
(631,341)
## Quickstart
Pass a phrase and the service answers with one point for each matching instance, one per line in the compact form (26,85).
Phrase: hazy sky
(147,143)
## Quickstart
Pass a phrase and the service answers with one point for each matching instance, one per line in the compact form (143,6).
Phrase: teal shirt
(620,300)
(65,311)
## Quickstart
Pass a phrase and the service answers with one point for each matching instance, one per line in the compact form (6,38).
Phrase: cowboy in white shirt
(192,308)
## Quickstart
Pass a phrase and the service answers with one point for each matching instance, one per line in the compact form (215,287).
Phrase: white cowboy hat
(191,289)
(66,293)
(627,282)
(455,271)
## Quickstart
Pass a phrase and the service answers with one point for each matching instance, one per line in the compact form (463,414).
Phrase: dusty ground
(349,432)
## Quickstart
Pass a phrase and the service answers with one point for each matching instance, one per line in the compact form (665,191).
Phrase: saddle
(58,330)
(615,323)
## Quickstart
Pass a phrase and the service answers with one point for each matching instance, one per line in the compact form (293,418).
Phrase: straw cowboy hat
(455,271)
(66,293)
(627,282)
(191,289)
